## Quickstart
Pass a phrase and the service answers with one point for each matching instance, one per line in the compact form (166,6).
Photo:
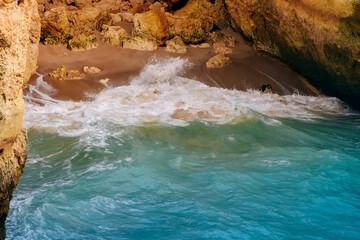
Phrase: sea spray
(256,166)
(157,93)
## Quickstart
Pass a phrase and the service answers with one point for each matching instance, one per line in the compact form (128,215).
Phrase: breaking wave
(160,94)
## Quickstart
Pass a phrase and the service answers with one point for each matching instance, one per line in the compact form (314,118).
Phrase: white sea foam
(156,94)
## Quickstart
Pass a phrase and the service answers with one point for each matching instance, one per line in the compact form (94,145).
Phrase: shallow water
(255,166)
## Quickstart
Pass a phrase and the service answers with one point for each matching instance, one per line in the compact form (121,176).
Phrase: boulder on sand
(113,35)
(193,22)
(62,73)
(58,25)
(83,42)
(176,45)
(218,61)
(139,43)
(151,25)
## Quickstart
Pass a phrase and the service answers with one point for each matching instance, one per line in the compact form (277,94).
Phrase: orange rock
(19,46)
(138,43)
(193,22)
(113,35)
(64,74)
(319,39)
(91,70)
(218,61)
(176,45)
(151,25)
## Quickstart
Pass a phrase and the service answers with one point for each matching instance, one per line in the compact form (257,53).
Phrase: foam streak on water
(156,94)
(244,166)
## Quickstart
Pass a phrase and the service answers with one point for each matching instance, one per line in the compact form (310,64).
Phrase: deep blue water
(244,165)
(251,180)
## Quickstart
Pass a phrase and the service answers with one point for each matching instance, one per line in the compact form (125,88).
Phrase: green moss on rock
(83,42)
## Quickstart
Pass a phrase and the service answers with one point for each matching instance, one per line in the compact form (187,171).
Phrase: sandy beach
(249,70)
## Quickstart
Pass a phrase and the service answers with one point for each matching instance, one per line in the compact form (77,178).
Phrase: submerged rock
(182,114)
(145,97)
(176,45)
(204,115)
(218,61)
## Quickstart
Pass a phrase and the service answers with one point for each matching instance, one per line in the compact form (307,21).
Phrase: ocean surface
(242,165)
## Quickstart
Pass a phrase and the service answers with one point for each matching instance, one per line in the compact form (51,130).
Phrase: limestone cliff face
(19,38)
(320,39)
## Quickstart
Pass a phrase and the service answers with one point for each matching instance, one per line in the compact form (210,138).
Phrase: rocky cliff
(319,39)
(19,38)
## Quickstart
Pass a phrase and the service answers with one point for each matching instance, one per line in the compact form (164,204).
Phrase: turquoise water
(288,168)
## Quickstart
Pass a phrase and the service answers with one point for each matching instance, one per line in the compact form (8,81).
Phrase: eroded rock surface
(151,25)
(319,39)
(218,61)
(113,35)
(139,43)
(59,25)
(91,70)
(223,43)
(176,45)
(83,42)
(19,37)
(193,22)
(62,73)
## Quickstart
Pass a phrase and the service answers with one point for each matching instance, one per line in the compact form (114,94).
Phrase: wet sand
(249,70)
